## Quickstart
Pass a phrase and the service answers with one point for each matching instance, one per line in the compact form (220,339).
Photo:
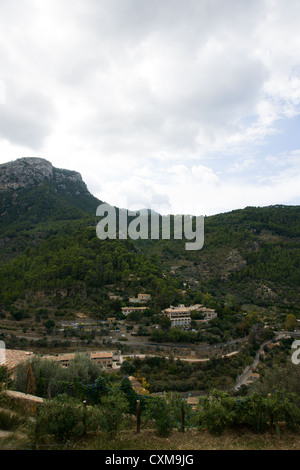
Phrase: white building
(127,310)
(181,315)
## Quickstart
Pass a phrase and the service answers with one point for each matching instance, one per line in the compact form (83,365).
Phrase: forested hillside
(50,252)
(252,253)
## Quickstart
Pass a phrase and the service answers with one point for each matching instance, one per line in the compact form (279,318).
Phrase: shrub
(113,407)
(61,417)
(157,409)
(255,412)
(214,416)
(282,407)
(177,407)
(9,421)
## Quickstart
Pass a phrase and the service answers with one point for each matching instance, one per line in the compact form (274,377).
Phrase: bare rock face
(28,172)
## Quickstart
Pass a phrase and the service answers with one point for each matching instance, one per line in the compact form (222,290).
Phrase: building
(252,377)
(193,402)
(13,357)
(179,316)
(103,358)
(208,313)
(144,297)
(62,359)
(127,310)
(141,298)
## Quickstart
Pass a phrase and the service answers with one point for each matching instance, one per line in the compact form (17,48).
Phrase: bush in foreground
(61,417)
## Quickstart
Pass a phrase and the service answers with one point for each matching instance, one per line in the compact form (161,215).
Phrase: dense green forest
(50,250)
(253,252)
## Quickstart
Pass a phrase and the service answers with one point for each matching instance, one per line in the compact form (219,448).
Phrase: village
(111,360)
(118,339)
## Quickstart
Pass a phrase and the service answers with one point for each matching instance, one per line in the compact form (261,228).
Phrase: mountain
(29,172)
(31,187)
(50,253)
(51,256)
(35,197)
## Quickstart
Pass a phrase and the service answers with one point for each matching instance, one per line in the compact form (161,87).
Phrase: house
(252,377)
(208,313)
(141,298)
(179,316)
(127,310)
(144,297)
(13,357)
(62,359)
(103,358)
(193,402)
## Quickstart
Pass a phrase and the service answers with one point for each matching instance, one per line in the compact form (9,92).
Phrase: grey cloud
(136,19)
(26,118)
(214,94)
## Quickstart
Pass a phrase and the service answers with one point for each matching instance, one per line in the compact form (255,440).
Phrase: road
(242,379)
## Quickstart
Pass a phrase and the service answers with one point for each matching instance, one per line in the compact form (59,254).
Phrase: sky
(180,106)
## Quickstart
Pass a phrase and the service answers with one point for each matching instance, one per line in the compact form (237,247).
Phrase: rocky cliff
(28,172)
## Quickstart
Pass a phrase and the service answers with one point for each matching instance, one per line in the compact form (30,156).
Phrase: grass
(9,421)
(191,440)
(195,440)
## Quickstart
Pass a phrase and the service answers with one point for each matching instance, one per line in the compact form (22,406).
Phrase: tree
(30,387)
(49,325)
(127,368)
(83,367)
(130,394)
(290,322)
(165,323)
(157,336)
(176,335)
(230,301)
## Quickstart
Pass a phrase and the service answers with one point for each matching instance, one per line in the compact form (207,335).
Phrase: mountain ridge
(29,171)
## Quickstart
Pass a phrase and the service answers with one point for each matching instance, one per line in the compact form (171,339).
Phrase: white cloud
(161,100)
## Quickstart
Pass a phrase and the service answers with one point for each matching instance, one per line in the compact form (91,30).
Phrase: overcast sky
(186,106)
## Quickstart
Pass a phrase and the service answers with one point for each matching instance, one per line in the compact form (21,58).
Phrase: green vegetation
(108,407)
(51,256)
(251,253)
(53,266)
(220,411)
